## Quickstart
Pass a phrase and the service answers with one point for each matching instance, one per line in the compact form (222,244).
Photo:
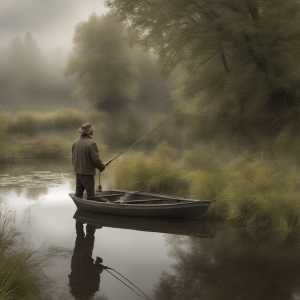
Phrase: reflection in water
(230,267)
(85,272)
(36,193)
(196,228)
(35,184)
(33,180)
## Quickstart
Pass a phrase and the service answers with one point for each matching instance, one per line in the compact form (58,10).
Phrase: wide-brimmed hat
(86,128)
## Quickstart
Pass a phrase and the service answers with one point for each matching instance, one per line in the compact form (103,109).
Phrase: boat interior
(134,198)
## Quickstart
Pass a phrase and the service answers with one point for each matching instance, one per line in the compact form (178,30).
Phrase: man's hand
(107,163)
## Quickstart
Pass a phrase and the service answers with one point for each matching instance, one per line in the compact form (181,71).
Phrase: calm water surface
(214,261)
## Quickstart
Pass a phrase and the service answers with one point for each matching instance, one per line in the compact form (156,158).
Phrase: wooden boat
(141,204)
(195,228)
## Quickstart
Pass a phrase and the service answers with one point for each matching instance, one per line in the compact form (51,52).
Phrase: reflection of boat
(143,205)
(172,226)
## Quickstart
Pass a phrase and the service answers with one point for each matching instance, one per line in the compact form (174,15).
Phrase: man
(85,158)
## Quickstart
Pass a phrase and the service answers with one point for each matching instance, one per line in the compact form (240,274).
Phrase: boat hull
(195,228)
(170,207)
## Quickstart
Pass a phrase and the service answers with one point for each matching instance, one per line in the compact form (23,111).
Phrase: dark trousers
(85,182)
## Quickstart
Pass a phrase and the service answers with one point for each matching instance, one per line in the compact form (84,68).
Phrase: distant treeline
(114,75)
(32,79)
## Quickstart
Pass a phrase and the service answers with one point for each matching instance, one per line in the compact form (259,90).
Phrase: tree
(240,58)
(154,93)
(102,62)
(30,80)
(23,71)
(118,78)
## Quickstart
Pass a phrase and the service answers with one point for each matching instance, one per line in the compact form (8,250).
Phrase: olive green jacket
(85,156)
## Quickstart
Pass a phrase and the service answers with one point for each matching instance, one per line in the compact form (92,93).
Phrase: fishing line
(144,136)
(147,297)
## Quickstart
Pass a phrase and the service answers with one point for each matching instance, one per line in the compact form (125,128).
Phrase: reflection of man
(85,273)
(85,158)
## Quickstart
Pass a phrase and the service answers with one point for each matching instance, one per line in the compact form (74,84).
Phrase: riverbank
(258,193)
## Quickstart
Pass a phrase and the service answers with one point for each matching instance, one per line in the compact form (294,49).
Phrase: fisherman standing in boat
(85,158)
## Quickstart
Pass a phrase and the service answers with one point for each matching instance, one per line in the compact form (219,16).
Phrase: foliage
(240,58)
(103,63)
(120,81)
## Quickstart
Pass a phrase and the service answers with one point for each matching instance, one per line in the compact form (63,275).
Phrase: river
(212,261)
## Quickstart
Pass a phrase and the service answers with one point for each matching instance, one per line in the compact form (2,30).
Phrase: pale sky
(51,22)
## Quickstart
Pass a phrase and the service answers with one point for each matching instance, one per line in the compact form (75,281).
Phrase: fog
(51,22)
(36,38)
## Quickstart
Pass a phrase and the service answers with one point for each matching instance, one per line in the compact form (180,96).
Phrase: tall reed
(155,174)
(22,268)
(260,195)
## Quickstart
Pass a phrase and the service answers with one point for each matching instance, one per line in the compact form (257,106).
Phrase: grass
(39,147)
(29,122)
(150,174)
(22,268)
(45,147)
(42,135)
(20,271)
(262,197)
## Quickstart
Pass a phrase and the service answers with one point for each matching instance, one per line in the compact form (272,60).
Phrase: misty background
(36,37)
(38,67)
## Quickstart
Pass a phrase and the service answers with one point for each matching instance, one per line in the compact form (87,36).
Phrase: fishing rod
(145,296)
(143,137)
